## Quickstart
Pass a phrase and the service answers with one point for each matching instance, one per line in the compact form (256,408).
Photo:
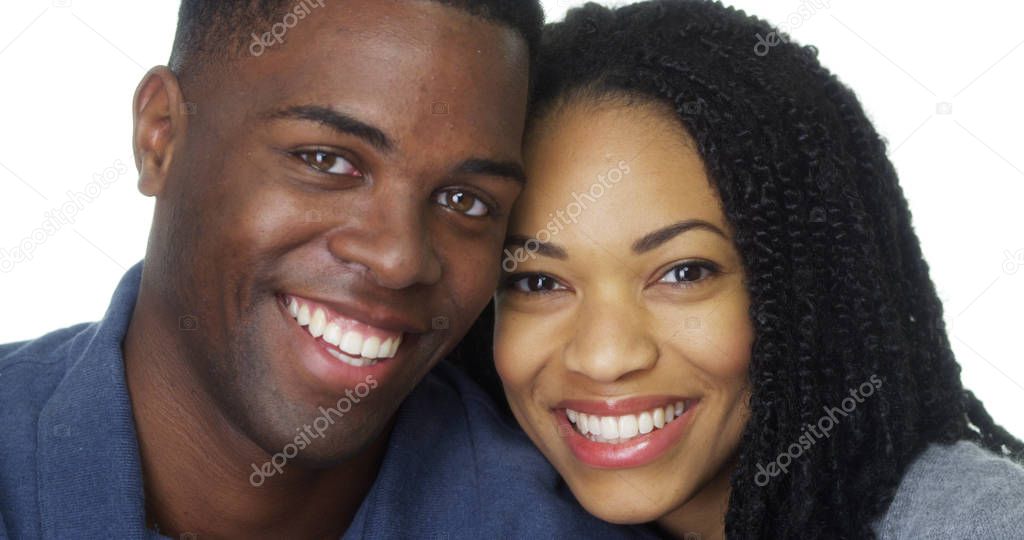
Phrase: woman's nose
(611,340)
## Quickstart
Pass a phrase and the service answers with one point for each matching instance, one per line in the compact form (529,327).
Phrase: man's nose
(391,237)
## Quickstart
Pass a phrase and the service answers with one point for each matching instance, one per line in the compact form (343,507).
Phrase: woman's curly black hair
(839,289)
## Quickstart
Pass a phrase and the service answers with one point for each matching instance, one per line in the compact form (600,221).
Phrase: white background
(943,83)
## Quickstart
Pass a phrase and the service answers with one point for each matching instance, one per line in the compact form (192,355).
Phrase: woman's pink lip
(636,452)
(618,407)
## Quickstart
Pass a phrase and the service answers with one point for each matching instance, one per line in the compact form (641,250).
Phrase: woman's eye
(534,283)
(462,202)
(688,273)
(327,162)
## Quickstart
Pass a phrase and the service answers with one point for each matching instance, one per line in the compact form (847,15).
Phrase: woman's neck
(703,516)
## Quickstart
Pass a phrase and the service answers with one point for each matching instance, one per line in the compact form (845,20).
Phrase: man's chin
(315,443)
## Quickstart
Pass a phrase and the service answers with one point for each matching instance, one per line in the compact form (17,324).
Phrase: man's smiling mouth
(350,341)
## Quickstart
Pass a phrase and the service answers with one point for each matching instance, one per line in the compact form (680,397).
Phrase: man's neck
(196,463)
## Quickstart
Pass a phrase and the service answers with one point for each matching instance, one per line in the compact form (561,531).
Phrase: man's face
(365,167)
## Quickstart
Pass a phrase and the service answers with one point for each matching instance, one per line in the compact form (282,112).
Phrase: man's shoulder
(958,490)
(477,470)
(462,409)
(30,370)
(493,435)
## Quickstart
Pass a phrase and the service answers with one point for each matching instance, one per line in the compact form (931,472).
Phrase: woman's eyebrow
(536,246)
(664,234)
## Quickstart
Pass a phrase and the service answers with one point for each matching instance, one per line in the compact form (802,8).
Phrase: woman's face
(623,308)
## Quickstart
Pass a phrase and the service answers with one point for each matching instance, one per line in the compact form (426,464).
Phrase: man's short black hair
(212,29)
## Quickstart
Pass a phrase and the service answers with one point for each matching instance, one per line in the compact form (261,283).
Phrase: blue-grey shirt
(70,466)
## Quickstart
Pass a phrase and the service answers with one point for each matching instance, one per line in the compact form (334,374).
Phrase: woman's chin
(621,502)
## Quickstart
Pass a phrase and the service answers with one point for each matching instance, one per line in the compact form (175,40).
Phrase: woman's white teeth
(628,426)
(609,427)
(359,350)
(645,423)
(617,429)
(658,417)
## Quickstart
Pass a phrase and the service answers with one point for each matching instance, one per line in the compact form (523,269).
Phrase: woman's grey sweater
(957,491)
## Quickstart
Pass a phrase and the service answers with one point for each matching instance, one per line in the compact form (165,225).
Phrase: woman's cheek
(512,350)
(715,337)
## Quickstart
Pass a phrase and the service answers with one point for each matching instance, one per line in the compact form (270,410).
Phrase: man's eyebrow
(338,121)
(504,169)
(660,236)
(547,249)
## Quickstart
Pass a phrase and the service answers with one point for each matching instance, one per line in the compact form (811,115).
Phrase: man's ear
(161,119)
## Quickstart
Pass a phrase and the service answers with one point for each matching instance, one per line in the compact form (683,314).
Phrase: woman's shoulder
(959,490)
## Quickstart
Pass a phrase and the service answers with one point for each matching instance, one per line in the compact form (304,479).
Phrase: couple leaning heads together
(431,269)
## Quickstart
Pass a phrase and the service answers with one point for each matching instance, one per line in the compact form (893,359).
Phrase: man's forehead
(412,23)
(398,73)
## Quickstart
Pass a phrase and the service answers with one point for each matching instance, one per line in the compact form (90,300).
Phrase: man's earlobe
(161,116)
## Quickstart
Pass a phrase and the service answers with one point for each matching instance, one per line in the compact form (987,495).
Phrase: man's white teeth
(617,429)
(359,350)
(351,360)
(370,347)
(332,334)
(351,343)
(317,323)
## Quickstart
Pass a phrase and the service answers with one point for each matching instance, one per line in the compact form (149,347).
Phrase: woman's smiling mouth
(617,429)
(624,433)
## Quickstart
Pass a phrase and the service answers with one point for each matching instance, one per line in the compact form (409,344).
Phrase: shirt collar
(89,472)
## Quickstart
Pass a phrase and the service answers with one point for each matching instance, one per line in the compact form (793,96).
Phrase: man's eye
(689,274)
(462,202)
(327,162)
(534,283)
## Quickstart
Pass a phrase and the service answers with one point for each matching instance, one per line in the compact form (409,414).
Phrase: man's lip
(375,316)
(619,406)
(329,372)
